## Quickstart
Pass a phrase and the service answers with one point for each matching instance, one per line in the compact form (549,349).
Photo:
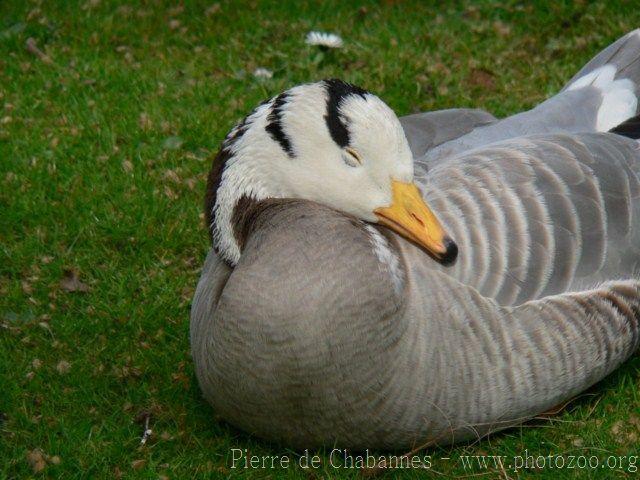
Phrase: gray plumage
(330,331)
(425,131)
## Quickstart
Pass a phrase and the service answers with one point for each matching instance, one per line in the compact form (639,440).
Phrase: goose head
(329,142)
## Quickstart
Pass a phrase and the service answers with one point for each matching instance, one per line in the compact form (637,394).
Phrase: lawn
(109,116)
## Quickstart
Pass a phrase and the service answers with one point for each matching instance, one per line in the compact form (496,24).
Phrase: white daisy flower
(322,39)
(262,73)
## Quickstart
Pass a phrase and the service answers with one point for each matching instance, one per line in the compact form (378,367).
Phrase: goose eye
(351,158)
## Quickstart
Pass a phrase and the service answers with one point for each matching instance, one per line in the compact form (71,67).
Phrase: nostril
(451,252)
(417,219)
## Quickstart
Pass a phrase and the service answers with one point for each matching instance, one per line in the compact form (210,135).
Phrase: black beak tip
(451,252)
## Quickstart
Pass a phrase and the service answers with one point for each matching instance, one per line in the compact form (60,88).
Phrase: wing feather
(543,213)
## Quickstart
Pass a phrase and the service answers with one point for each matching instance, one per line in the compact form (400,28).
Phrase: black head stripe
(219,163)
(337,91)
(241,128)
(275,128)
(213,183)
(236,133)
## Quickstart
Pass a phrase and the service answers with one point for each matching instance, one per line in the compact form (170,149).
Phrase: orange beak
(410,217)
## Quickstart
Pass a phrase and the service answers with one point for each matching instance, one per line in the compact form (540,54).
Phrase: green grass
(104,150)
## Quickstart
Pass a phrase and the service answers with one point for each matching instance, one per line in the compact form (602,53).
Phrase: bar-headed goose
(332,309)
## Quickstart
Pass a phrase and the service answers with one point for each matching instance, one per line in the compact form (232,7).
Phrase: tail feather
(623,55)
(614,74)
(601,97)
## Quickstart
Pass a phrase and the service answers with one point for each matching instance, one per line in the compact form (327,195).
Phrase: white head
(329,142)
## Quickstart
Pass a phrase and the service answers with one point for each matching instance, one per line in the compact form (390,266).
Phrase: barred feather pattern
(540,215)
(288,353)
(308,341)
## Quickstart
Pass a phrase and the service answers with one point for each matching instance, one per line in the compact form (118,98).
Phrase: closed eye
(351,157)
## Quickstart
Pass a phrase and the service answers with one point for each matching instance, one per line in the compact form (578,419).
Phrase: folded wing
(541,214)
